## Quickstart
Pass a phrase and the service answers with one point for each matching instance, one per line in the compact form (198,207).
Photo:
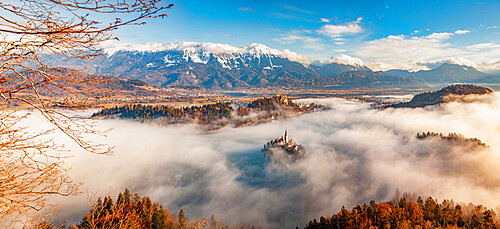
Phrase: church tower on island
(288,149)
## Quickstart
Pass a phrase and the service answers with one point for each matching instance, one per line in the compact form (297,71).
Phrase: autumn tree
(141,212)
(33,33)
(182,219)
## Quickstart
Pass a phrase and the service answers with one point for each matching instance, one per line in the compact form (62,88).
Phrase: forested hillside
(203,114)
(410,214)
(450,93)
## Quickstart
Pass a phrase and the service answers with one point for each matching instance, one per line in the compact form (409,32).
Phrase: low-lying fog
(355,154)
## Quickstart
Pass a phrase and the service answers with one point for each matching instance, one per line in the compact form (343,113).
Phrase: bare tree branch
(32,167)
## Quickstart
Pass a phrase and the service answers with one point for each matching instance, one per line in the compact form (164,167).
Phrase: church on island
(283,145)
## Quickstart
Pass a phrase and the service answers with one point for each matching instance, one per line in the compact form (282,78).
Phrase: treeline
(129,211)
(453,137)
(410,214)
(132,212)
(204,114)
(219,113)
(464,89)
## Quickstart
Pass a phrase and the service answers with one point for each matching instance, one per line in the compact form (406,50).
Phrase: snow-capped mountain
(339,64)
(222,55)
(345,60)
(209,65)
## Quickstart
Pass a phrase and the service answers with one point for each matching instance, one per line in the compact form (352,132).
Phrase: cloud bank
(409,52)
(355,154)
(404,51)
(456,60)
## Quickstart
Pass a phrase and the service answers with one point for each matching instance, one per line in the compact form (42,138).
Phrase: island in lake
(283,150)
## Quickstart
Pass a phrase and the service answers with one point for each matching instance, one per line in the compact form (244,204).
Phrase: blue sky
(380,32)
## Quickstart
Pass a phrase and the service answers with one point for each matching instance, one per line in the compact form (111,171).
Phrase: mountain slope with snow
(222,66)
(339,64)
(209,65)
(225,55)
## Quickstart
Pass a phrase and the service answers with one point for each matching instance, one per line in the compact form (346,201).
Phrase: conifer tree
(182,219)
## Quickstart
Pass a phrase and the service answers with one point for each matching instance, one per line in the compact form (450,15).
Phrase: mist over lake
(354,154)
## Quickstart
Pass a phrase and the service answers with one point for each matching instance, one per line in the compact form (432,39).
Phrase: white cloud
(460,32)
(439,36)
(293,56)
(336,31)
(340,50)
(308,42)
(379,66)
(314,46)
(482,46)
(288,39)
(491,66)
(339,43)
(486,55)
(325,20)
(246,9)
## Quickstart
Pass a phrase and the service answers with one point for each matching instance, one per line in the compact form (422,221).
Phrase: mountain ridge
(221,66)
(448,73)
